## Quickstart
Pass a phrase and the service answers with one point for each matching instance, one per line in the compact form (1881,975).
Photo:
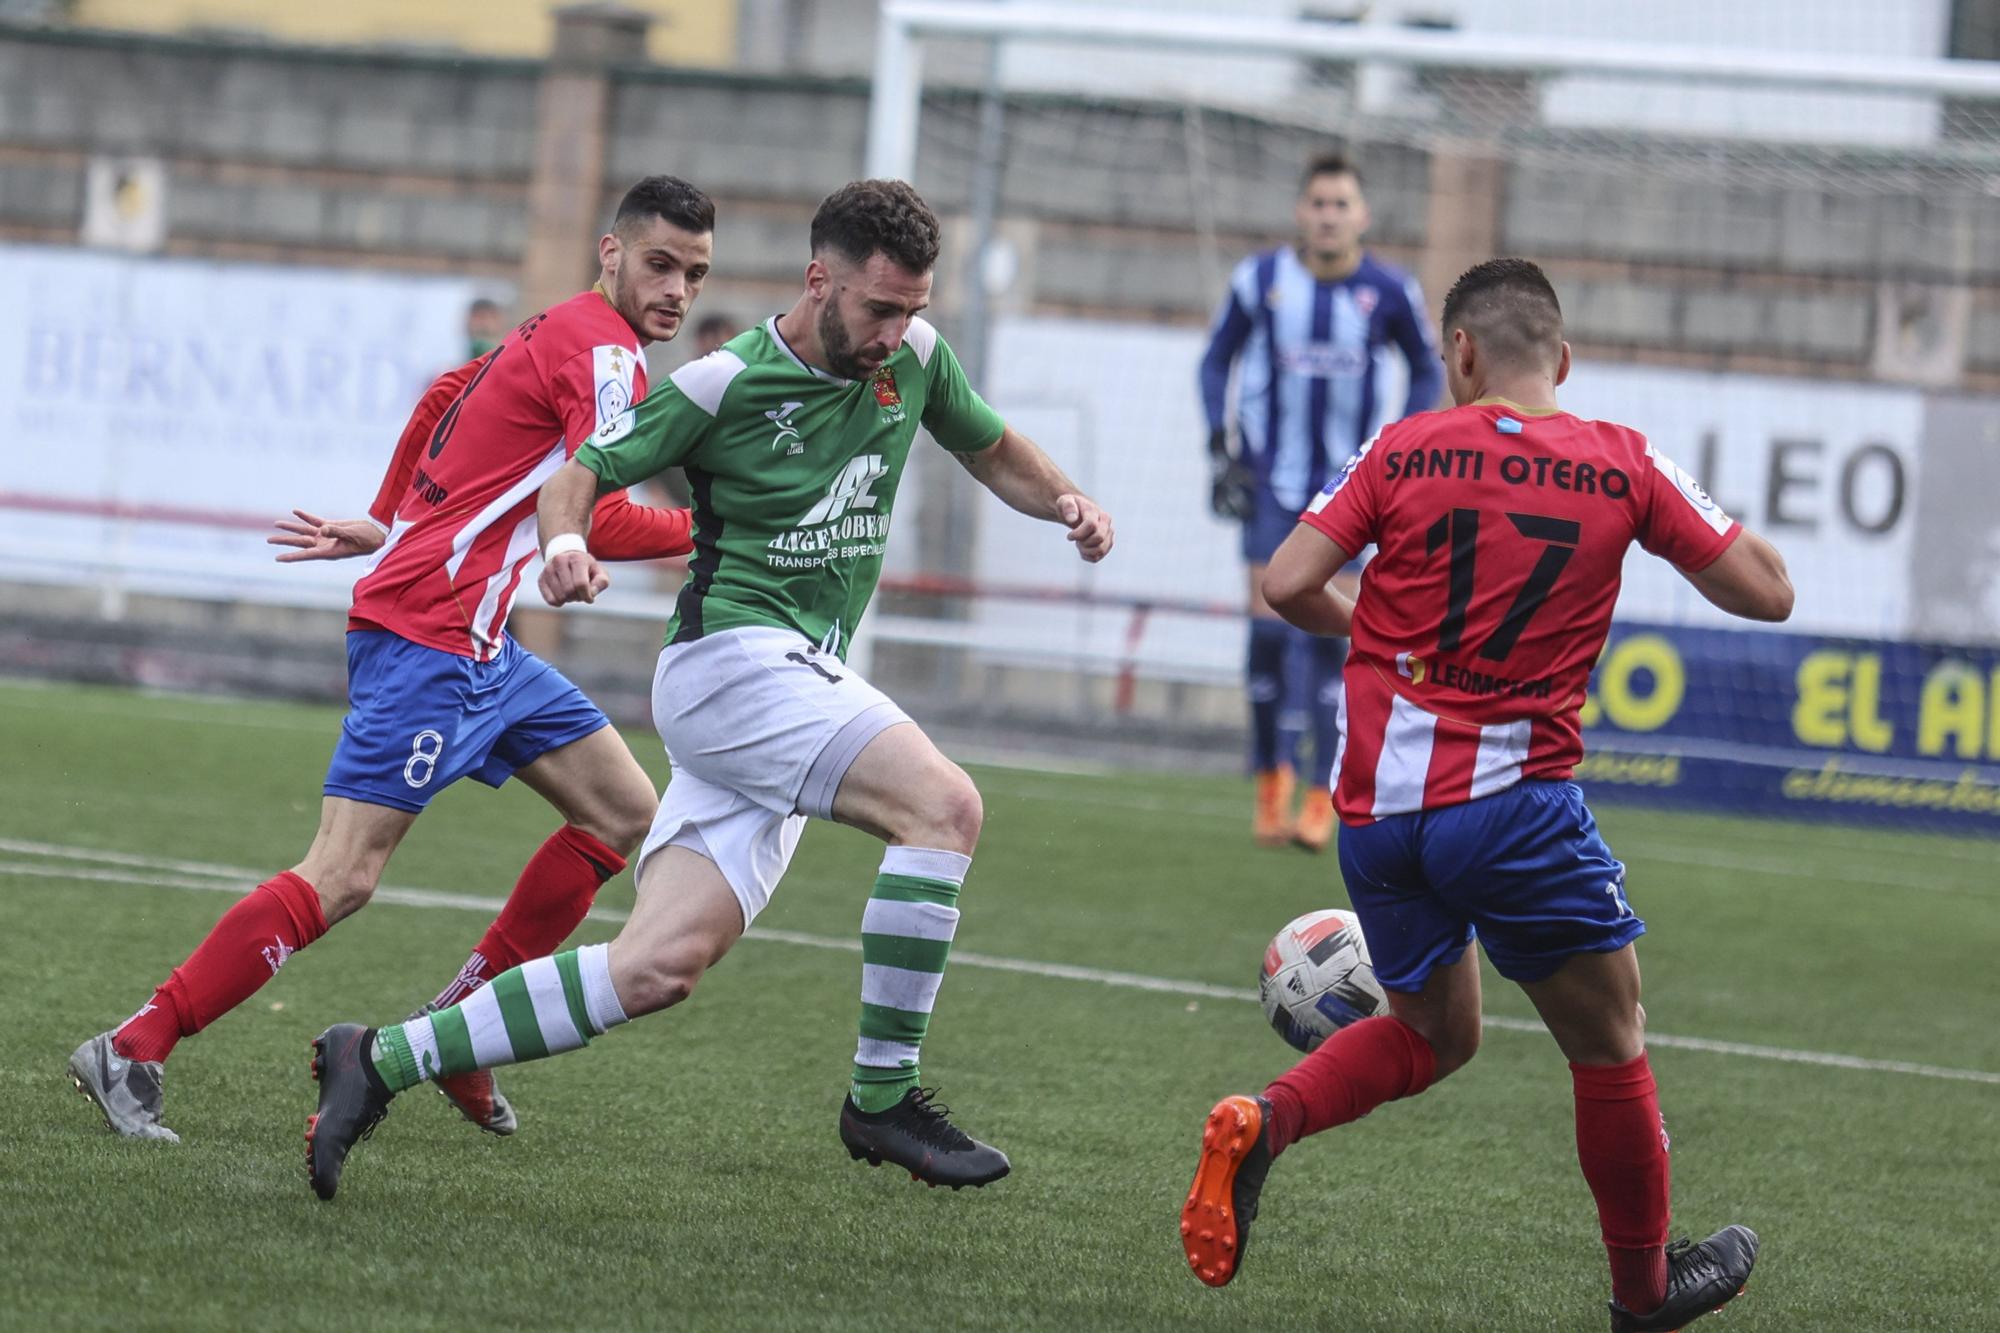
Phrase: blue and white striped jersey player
(1304,329)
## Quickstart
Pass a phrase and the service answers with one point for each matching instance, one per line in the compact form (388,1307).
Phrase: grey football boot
(917,1135)
(476,1095)
(126,1091)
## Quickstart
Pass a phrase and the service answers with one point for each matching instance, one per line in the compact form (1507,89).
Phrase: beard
(630,302)
(838,347)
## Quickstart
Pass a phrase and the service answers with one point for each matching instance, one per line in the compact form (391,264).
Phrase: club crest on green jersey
(888,397)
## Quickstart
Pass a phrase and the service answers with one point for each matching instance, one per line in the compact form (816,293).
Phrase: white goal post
(898,75)
(1812,201)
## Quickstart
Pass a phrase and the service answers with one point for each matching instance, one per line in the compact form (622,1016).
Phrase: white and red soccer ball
(1317,978)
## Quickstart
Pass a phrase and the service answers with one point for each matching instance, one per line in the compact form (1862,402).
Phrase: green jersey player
(794,436)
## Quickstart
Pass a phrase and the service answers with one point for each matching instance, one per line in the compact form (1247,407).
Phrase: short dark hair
(1510,306)
(1328,164)
(866,218)
(667,197)
(711,325)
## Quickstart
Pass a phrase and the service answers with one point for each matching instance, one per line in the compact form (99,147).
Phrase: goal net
(1773,230)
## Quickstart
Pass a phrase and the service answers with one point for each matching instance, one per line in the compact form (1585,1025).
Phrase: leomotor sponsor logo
(1470,680)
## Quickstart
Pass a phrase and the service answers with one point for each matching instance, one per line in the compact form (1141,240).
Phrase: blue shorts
(420,719)
(1267,527)
(1270,522)
(1524,869)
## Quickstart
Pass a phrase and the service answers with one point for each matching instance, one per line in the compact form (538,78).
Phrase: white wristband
(565,542)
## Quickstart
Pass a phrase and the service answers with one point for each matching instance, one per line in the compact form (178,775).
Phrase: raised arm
(1015,469)
(1730,565)
(570,573)
(1749,579)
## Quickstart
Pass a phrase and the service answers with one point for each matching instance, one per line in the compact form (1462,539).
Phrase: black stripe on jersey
(707,556)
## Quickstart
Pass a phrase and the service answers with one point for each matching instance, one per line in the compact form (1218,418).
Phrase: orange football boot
(1272,825)
(1316,820)
(1235,1156)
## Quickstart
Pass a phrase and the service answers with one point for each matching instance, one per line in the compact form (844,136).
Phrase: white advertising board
(176,388)
(136,391)
(1830,472)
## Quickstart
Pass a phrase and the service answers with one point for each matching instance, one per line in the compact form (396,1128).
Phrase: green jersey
(793,472)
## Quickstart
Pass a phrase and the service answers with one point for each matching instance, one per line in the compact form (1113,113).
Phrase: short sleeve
(956,416)
(1348,511)
(594,387)
(668,425)
(1679,523)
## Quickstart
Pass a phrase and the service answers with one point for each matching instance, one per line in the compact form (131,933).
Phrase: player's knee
(1460,1045)
(1453,1042)
(343,891)
(629,819)
(622,818)
(1620,1041)
(658,984)
(1614,1036)
(957,814)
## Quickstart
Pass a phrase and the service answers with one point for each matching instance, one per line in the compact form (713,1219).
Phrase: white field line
(73,863)
(1794,865)
(206,710)
(161,706)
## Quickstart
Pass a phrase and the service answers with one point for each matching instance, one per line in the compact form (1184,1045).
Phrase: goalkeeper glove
(1231,485)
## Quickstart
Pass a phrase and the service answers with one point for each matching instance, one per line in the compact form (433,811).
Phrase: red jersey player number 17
(1501,535)
(1501,527)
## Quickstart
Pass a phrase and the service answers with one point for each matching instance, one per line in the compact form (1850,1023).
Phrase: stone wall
(1125,209)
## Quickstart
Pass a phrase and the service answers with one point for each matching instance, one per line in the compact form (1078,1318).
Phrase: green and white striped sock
(905,937)
(543,1007)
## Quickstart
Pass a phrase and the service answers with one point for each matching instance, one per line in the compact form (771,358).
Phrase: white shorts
(760,727)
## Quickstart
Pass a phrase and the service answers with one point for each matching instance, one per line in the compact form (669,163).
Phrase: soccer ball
(1317,978)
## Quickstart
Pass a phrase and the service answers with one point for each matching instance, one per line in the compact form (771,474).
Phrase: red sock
(549,901)
(1621,1142)
(244,950)
(1354,1071)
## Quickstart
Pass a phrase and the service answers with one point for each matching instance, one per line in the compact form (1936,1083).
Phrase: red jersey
(459,496)
(1501,537)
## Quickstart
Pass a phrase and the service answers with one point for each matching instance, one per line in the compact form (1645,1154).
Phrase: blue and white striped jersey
(1306,359)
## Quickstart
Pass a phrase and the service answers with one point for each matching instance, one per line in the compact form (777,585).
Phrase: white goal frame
(894,102)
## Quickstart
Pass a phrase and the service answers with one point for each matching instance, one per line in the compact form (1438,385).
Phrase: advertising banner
(1883,542)
(1830,472)
(1801,726)
(156,413)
